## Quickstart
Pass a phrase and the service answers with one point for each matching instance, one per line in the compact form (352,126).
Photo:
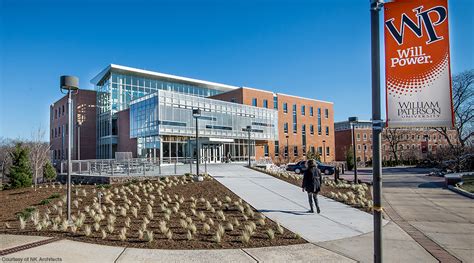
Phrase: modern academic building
(149,114)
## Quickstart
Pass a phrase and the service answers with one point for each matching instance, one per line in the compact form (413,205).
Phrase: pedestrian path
(287,204)
(72,251)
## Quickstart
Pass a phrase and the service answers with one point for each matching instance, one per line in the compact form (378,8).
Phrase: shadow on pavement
(282,211)
(432,185)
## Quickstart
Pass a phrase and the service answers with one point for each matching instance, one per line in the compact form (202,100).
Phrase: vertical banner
(417,64)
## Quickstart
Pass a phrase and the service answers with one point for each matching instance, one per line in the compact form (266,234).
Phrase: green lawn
(468,183)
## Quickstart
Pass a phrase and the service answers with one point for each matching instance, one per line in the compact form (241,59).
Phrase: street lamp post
(69,85)
(364,154)
(377,126)
(352,122)
(287,150)
(249,129)
(78,141)
(197,115)
(324,150)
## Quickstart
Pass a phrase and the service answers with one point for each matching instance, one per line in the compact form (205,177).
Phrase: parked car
(300,166)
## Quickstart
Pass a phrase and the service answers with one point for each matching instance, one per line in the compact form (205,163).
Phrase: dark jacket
(312,180)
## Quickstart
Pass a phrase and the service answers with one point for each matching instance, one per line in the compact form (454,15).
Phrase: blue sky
(318,49)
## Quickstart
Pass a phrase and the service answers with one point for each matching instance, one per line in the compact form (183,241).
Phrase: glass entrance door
(212,153)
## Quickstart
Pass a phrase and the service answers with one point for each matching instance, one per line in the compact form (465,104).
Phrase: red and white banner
(417,64)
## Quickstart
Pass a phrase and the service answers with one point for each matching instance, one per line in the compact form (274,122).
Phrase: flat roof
(158,75)
(203,83)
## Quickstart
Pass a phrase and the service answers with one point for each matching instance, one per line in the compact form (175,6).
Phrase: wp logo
(423,24)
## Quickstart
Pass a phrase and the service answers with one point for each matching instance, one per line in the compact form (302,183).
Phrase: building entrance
(212,153)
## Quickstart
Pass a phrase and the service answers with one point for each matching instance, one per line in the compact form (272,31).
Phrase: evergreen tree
(349,159)
(49,173)
(20,171)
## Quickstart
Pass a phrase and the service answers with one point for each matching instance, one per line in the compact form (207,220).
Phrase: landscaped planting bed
(355,195)
(169,213)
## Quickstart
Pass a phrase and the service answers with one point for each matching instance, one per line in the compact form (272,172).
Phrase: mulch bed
(15,201)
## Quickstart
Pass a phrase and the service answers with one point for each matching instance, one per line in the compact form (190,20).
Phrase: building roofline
(304,98)
(120,68)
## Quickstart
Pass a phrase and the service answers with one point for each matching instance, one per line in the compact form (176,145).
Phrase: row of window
(285,107)
(303,129)
(56,132)
(57,154)
(295,150)
(59,111)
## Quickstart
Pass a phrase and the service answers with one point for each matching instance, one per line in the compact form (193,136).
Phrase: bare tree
(5,161)
(463,105)
(395,137)
(39,152)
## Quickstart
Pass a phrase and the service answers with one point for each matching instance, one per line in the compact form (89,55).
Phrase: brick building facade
(84,133)
(304,124)
(409,144)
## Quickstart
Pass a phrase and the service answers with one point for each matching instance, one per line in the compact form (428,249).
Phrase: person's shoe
(310,211)
(317,210)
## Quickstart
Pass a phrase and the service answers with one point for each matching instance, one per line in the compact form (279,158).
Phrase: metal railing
(138,166)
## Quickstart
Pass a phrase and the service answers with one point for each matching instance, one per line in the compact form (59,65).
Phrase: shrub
(350,159)
(245,237)
(20,170)
(49,173)
(270,234)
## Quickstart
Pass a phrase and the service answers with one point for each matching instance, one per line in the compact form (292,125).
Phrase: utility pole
(377,126)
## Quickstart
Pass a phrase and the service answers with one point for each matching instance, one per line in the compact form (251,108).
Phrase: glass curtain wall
(115,92)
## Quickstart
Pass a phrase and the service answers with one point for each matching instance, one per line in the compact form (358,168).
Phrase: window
(295,120)
(312,149)
(286,151)
(55,113)
(254,102)
(365,147)
(63,109)
(285,107)
(326,113)
(295,150)
(275,102)
(265,104)
(234,100)
(311,111)
(365,136)
(358,136)
(358,147)
(265,147)
(59,131)
(285,127)
(311,129)
(327,130)
(320,150)
(327,150)
(319,122)
(277,148)
(303,110)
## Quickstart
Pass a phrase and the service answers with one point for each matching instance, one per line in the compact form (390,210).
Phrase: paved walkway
(72,251)
(287,204)
(444,218)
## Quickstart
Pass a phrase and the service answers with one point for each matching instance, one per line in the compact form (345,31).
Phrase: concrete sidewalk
(73,251)
(287,204)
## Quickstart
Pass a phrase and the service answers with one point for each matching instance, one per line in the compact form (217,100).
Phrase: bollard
(159,167)
(112,168)
(62,166)
(80,167)
(175,163)
(190,165)
(205,165)
(89,167)
(144,169)
(343,169)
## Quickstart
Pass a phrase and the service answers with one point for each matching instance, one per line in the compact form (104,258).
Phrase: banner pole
(377,124)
